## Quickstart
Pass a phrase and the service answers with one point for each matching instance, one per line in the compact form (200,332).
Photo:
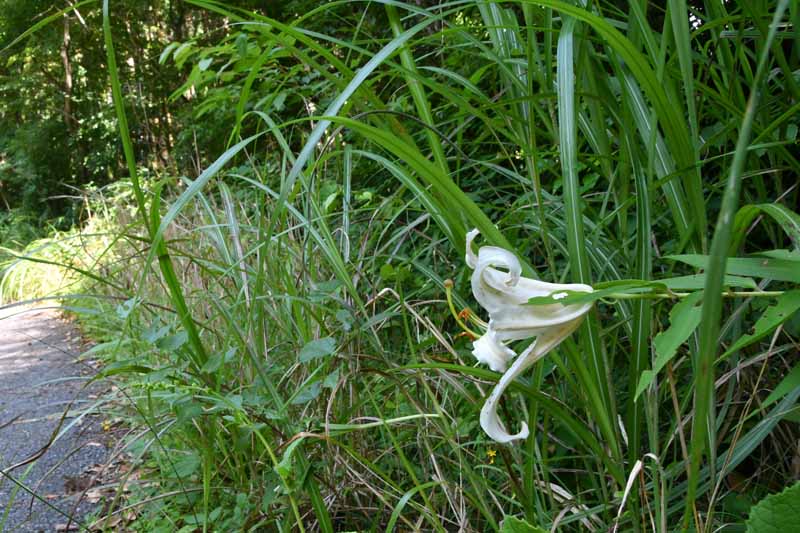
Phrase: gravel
(40,380)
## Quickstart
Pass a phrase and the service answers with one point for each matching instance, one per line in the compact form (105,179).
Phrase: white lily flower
(504,295)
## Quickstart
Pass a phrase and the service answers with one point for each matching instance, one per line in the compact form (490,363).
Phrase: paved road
(39,378)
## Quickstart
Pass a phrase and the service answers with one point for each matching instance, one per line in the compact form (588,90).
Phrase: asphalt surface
(39,382)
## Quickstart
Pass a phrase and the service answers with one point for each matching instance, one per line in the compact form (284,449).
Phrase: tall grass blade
(703,423)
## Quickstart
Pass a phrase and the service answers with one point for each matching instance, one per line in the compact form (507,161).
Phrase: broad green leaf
(172,342)
(124,367)
(186,466)
(792,416)
(777,513)
(757,267)
(309,393)
(697,281)
(317,348)
(786,255)
(786,305)
(214,363)
(684,319)
(167,51)
(110,346)
(154,333)
(331,379)
(511,524)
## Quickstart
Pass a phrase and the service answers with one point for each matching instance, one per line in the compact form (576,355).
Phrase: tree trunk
(69,120)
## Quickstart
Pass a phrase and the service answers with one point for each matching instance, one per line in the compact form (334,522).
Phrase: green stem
(286,483)
(678,295)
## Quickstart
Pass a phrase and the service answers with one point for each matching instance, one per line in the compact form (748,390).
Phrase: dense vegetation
(270,203)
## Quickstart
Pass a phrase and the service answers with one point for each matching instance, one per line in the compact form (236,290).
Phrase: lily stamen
(471,336)
(448,289)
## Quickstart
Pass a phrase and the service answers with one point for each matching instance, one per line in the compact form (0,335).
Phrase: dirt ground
(46,447)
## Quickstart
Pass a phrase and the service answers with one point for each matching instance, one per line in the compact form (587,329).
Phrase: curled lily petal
(487,349)
(490,422)
(492,288)
(472,259)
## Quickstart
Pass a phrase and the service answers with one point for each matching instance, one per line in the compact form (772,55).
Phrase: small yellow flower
(491,454)
(106,425)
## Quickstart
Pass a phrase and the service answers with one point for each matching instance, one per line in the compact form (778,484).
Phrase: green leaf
(785,217)
(154,333)
(786,255)
(187,466)
(167,51)
(331,379)
(172,342)
(345,319)
(787,385)
(286,468)
(511,524)
(683,320)
(697,281)
(387,272)
(317,348)
(270,493)
(126,308)
(106,347)
(213,364)
(632,286)
(309,393)
(786,305)
(124,367)
(777,513)
(757,267)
